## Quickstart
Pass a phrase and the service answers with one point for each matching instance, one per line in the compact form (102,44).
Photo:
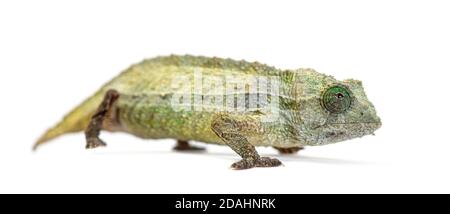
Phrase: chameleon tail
(77,120)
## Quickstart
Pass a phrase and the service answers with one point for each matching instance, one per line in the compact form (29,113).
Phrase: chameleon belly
(151,116)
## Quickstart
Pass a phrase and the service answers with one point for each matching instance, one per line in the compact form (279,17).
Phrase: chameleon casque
(224,101)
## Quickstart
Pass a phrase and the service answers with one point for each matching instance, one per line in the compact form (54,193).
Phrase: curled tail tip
(43,139)
(35,146)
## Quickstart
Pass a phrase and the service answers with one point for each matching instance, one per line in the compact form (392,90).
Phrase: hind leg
(104,111)
(183,145)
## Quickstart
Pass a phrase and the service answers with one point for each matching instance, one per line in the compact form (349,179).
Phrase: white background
(53,54)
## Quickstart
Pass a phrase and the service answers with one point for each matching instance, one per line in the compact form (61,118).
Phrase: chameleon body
(224,101)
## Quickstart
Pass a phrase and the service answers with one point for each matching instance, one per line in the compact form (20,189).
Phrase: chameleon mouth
(336,132)
(363,127)
(369,125)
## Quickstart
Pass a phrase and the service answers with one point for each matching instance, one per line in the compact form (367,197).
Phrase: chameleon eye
(337,99)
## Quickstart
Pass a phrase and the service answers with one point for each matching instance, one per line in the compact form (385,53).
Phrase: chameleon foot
(260,162)
(185,146)
(291,150)
(94,143)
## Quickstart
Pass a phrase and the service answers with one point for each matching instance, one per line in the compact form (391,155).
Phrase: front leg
(232,130)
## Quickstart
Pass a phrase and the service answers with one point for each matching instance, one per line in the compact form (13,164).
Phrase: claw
(94,143)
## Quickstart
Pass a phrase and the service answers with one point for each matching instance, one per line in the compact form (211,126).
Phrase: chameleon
(221,101)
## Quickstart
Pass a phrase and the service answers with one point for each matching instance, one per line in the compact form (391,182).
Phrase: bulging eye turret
(337,99)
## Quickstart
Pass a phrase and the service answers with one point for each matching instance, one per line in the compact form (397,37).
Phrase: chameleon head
(332,111)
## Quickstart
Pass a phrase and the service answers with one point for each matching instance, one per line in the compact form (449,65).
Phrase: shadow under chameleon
(234,157)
